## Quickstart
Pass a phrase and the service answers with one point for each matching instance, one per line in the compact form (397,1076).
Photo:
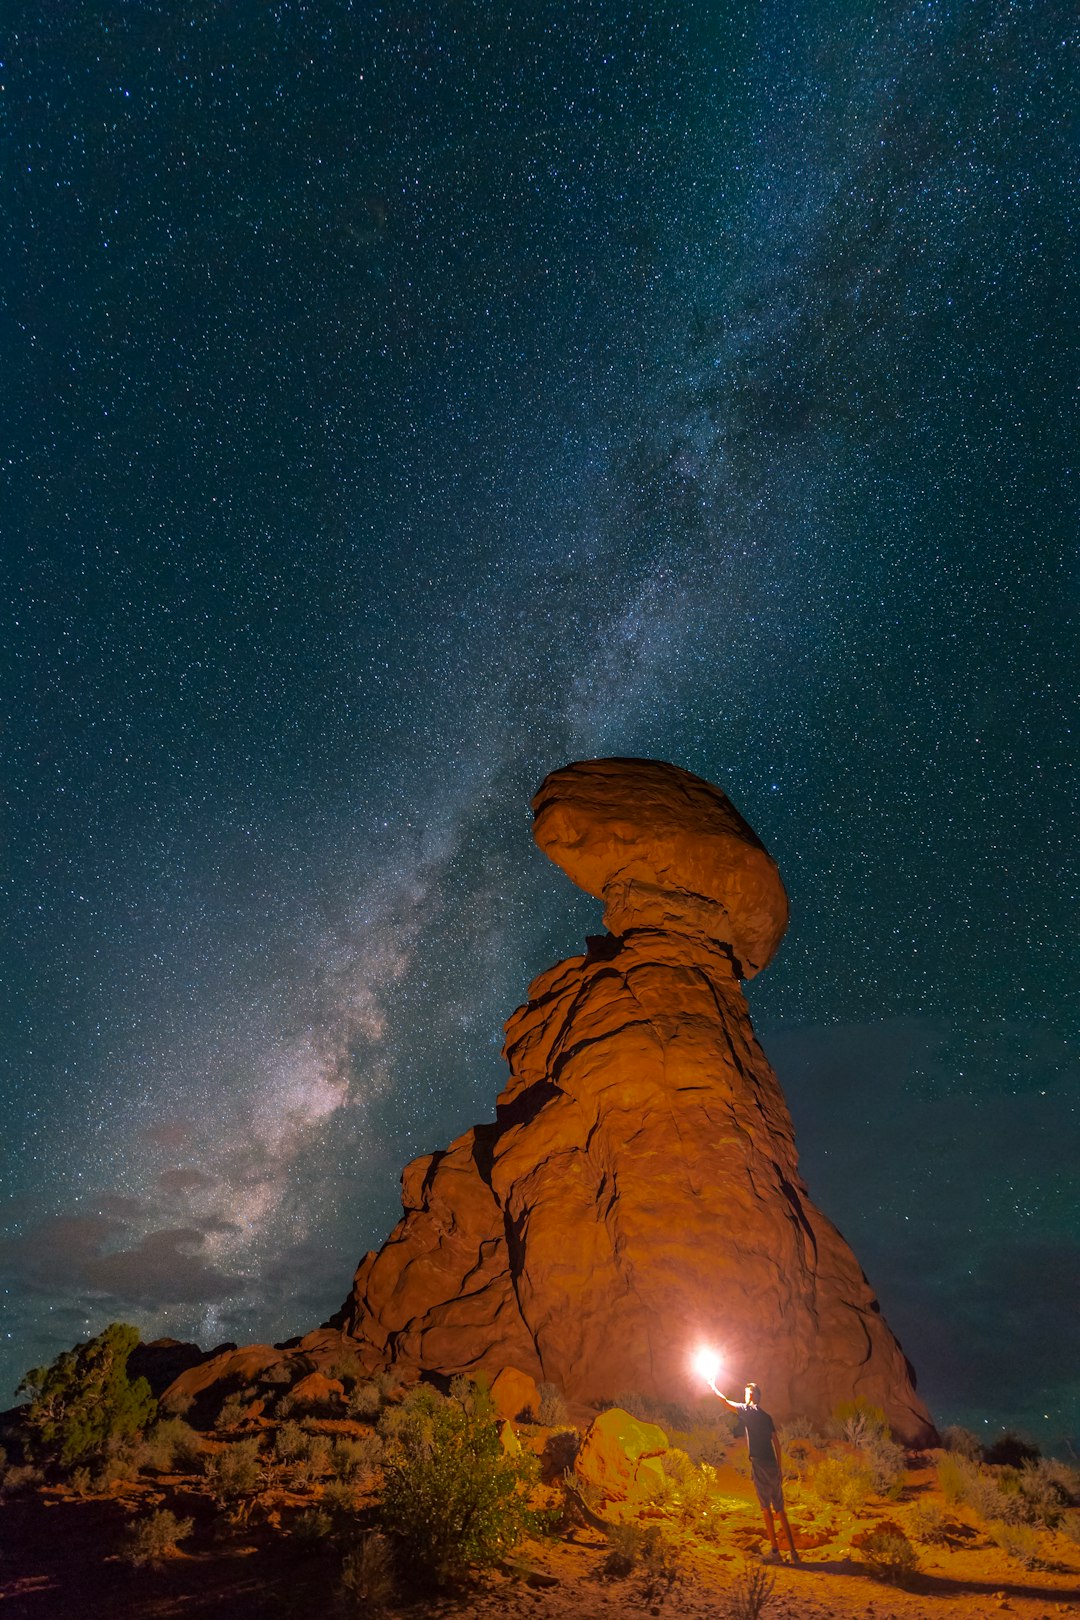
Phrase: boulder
(514,1394)
(316,1393)
(616,1453)
(638,1192)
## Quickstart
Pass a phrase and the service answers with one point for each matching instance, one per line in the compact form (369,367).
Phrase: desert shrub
(350,1459)
(313,1528)
(706,1443)
(176,1403)
(1070,1527)
(800,1428)
(886,1462)
(290,1441)
(552,1410)
(451,1498)
(152,1539)
(676,1464)
(658,1557)
(624,1545)
(889,1555)
(1011,1449)
(993,1495)
(171,1444)
(338,1499)
(310,1461)
(858,1422)
(637,1405)
(845,1480)
(1044,1490)
(366,1400)
(85,1398)
(751,1592)
(797,1457)
(82,1481)
(956,1474)
(473,1395)
(234,1409)
(590,1492)
(234,1471)
(962,1441)
(20,1477)
(560,1450)
(694,1492)
(1020,1541)
(347,1370)
(927,1523)
(367,1576)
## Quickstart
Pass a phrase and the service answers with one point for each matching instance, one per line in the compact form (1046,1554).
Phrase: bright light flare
(707,1364)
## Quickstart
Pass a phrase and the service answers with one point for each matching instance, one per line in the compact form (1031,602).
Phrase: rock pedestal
(638,1194)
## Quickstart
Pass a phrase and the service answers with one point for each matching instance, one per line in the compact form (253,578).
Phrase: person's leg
(770,1527)
(790,1538)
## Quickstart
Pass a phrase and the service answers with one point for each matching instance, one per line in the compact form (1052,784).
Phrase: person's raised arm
(733,1404)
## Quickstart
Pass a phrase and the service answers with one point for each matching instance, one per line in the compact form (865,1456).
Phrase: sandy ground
(58,1559)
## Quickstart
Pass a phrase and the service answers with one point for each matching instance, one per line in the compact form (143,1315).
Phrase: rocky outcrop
(638,1192)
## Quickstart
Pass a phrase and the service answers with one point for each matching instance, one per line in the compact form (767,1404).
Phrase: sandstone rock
(316,1393)
(230,1370)
(615,1452)
(654,842)
(515,1392)
(639,1190)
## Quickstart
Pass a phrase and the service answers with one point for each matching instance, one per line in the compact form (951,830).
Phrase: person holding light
(763,1448)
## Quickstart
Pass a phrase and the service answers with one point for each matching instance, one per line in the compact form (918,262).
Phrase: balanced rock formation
(638,1193)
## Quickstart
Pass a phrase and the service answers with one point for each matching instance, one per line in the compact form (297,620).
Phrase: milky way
(409,401)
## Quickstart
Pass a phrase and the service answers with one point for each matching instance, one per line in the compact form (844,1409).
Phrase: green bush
(451,1498)
(155,1537)
(85,1398)
(889,1555)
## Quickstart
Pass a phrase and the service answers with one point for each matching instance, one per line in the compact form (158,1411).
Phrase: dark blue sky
(406,399)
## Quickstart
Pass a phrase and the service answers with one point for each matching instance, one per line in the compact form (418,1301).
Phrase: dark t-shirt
(759,1428)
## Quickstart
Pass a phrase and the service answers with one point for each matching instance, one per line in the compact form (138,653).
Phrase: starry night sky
(405,399)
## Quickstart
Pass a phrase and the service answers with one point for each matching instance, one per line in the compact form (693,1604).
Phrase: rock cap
(657,843)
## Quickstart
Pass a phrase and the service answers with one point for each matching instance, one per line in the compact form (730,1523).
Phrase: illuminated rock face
(639,1191)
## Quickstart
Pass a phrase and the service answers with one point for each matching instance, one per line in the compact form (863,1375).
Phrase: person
(763,1448)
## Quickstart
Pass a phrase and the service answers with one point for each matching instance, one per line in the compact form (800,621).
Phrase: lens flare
(707,1364)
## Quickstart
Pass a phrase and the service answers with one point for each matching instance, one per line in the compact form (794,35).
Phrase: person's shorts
(770,1491)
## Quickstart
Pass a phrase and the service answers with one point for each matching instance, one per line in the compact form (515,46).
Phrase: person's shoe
(772,1557)
(795,1559)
